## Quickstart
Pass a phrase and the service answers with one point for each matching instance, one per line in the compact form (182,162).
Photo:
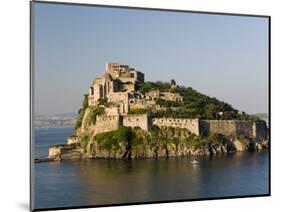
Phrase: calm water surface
(97,182)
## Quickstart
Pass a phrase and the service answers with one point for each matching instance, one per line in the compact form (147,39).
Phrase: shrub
(111,140)
(140,111)
(194,105)
(94,111)
(84,141)
(215,138)
(158,85)
(81,113)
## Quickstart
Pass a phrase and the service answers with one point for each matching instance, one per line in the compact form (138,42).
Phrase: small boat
(193,161)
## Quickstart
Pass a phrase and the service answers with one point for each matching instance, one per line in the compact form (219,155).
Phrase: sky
(222,56)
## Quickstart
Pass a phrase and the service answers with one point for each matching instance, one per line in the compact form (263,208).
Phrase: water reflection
(109,181)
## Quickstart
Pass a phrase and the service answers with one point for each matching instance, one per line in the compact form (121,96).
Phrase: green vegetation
(115,140)
(215,138)
(194,105)
(205,107)
(84,141)
(244,139)
(140,111)
(197,105)
(248,117)
(105,102)
(81,113)
(139,143)
(263,116)
(93,112)
(165,103)
(162,141)
(102,101)
(161,86)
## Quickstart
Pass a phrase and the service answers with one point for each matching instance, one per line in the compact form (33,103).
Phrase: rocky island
(124,117)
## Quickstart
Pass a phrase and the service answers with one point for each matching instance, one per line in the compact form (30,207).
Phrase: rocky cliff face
(128,143)
(165,141)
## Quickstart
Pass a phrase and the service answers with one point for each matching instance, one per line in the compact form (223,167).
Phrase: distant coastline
(63,119)
(53,126)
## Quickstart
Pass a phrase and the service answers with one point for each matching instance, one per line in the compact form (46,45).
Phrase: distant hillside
(66,115)
(262,116)
(62,119)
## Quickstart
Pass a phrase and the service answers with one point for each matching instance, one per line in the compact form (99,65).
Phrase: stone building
(119,87)
(117,81)
(168,96)
(256,130)
(106,123)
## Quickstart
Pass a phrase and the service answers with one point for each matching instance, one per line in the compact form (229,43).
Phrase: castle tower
(115,84)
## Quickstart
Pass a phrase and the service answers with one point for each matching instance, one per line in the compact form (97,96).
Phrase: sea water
(99,182)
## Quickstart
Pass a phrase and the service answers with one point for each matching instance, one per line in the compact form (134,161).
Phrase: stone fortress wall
(256,130)
(137,120)
(105,123)
(233,128)
(260,130)
(226,127)
(191,124)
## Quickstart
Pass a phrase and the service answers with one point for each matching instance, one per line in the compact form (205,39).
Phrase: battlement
(105,123)
(137,120)
(107,117)
(256,130)
(191,124)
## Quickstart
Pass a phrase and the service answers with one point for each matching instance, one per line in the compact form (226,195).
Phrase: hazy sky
(221,56)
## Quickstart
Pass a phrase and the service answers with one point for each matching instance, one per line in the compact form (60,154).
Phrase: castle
(119,89)
(118,92)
